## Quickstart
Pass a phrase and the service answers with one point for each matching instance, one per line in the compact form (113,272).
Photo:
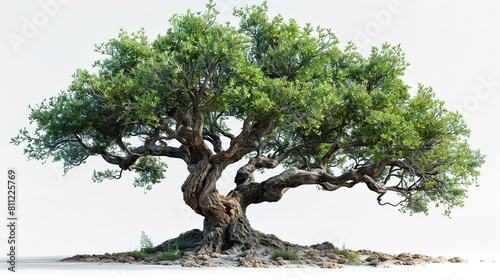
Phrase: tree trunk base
(195,241)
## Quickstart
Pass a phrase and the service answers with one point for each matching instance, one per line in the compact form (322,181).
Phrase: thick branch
(331,187)
(273,189)
(160,148)
(150,148)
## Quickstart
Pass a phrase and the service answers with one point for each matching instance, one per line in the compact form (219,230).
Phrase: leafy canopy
(316,104)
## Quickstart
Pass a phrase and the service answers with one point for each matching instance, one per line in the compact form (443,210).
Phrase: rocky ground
(311,258)
(323,255)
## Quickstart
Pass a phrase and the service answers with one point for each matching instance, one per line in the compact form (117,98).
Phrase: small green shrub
(137,254)
(285,254)
(348,254)
(146,243)
(169,255)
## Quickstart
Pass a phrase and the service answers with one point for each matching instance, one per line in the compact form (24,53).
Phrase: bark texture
(226,227)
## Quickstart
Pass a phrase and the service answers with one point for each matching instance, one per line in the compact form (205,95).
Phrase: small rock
(404,257)
(280,260)
(456,260)
(124,258)
(419,257)
(324,246)
(342,261)
(374,262)
(383,257)
(372,258)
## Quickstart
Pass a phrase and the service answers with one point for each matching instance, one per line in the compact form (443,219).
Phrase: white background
(451,45)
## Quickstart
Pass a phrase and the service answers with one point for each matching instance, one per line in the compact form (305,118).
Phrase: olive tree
(264,94)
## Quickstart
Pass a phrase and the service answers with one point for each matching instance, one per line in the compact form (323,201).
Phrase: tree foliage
(328,115)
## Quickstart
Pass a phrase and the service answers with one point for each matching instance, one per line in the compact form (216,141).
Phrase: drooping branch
(401,185)
(405,193)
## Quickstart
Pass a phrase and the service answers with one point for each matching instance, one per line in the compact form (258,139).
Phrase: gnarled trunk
(226,227)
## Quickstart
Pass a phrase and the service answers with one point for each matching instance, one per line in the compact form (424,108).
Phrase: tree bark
(226,227)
